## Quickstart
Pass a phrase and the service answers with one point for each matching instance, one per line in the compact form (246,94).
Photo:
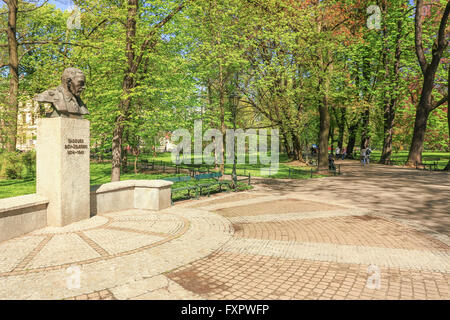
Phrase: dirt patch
(277,206)
(298,163)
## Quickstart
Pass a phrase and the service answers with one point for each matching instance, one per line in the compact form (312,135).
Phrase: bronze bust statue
(65,99)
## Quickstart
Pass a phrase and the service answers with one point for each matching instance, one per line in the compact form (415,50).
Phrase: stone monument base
(130,194)
(62,169)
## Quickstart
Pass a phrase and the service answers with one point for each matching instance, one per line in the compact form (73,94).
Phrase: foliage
(282,60)
(17,165)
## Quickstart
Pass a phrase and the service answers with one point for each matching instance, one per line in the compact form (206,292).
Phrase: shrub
(29,162)
(17,165)
(11,166)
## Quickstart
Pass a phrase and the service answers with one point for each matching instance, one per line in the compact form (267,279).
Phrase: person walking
(338,152)
(368,152)
(363,156)
(331,165)
(344,153)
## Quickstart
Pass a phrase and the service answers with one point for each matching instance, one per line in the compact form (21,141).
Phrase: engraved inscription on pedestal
(76,146)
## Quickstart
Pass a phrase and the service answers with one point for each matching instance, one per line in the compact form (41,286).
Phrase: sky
(61,4)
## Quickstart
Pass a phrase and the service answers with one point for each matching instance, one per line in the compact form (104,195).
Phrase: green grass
(20,187)
(100,174)
(402,156)
(244,169)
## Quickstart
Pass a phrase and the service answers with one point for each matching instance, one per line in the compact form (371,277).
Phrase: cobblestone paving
(259,244)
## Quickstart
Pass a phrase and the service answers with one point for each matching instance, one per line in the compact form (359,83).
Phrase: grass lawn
(402,156)
(101,173)
(244,169)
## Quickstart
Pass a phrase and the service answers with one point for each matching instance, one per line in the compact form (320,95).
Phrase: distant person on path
(363,157)
(344,153)
(368,152)
(331,165)
(338,151)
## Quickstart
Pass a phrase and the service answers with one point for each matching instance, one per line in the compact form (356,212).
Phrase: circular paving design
(99,238)
(109,251)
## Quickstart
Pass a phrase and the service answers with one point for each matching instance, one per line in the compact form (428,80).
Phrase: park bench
(200,186)
(186,186)
(429,165)
(214,175)
(395,162)
(144,164)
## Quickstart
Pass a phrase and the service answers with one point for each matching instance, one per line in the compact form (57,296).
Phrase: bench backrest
(208,175)
(178,179)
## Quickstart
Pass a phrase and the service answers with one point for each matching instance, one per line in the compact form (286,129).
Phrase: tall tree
(429,69)
(133,62)
(13,63)
(31,29)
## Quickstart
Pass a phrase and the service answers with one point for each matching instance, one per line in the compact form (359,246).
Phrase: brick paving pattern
(315,239)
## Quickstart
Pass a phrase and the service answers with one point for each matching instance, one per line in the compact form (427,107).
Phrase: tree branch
(418,36)
(96,27)
(439,103)
(440,43)
(3,45)
(149,41)
(34,8)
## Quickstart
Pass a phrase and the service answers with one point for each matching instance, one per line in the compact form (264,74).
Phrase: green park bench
(186,186)
(395,162)
(429,165)
(200,186)
(144,164)
(214,175)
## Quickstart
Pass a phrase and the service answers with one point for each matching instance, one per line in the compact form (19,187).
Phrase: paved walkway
(373,233)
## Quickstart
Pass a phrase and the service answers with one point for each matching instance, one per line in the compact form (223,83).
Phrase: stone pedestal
(62,169)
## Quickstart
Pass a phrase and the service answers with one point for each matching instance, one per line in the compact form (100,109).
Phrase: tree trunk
(128,84)
(117,149)
(420,124)
(389,109)
(365,129)
(287,148)
(447,167)
(331,136)
(388,133)
(420,127)
(296,148)
(351,139)
(223,127)
(324,133)
(341,128)
(124,160)
(13,105)
(429,72)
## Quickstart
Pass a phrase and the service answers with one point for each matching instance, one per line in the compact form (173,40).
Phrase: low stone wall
(130,194)
(20,215)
